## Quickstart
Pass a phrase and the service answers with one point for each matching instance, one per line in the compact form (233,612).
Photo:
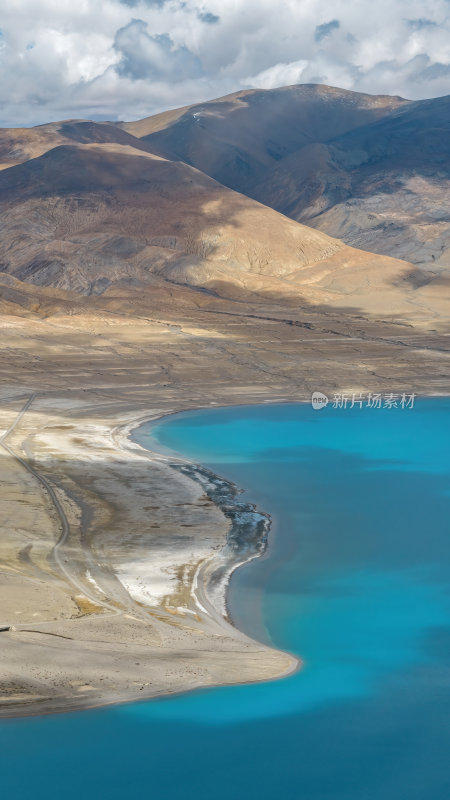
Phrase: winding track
(131,606)
(65,527)
(198,593)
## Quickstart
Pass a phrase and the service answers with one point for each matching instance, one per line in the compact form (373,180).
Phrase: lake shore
(101,545)
(152,619)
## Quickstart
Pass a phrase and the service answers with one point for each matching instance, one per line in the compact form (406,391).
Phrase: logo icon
(318,400)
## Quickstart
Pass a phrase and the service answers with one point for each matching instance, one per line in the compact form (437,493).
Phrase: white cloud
(129,58)
(279,75)
(143,55)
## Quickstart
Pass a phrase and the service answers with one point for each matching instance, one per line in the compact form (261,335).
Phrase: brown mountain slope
(384,187)
(85,217)
(237,138)
(18,145)
(80,210)
(373,171)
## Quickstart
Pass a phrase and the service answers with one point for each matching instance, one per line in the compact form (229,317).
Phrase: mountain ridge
(87,205)
(320,174)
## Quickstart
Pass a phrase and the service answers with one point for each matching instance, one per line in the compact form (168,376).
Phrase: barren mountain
(83,214)
(239,138)
(86,206)
(84,217)
(373,171)
(21,144)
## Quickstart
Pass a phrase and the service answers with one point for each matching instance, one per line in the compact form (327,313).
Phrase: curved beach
(141,594)
(102,543)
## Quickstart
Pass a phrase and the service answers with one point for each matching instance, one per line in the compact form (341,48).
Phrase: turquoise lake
(355,581)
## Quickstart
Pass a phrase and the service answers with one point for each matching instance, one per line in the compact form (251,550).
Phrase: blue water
(355,582)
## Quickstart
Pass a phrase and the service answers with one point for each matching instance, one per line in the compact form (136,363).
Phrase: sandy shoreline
(248,531)
(248,527)
(191,606)
(86,513)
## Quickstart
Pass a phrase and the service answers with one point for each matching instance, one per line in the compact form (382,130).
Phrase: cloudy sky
(126,59)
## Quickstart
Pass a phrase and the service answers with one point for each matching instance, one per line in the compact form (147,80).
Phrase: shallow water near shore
(354,582)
